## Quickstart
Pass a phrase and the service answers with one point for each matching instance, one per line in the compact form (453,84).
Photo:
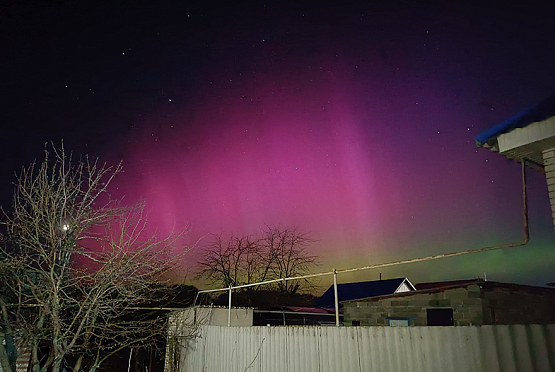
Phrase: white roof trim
(534,132)
(406,280)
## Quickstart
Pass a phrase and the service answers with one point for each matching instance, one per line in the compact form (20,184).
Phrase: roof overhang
(528,142)
(525,135)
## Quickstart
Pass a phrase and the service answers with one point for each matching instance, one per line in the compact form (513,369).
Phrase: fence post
(336,298)
(229,309)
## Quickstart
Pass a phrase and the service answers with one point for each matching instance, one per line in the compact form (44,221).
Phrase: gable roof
(352,291)
(532,114)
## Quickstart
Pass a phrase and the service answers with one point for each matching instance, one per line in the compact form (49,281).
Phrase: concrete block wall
(549,165)
(466,303)
(508,306)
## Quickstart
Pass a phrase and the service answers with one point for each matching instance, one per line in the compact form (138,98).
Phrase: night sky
(353,123)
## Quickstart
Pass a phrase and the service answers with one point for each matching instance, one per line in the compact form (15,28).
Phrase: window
(440,317)
(399,322)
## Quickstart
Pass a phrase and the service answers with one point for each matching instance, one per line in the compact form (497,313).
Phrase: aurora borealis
(356,125)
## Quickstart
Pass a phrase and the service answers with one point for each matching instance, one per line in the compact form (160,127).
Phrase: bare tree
(78,262)
(232,262)
(288,256)
(279,253)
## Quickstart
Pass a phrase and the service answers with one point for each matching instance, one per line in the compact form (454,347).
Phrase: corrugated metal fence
(381,349)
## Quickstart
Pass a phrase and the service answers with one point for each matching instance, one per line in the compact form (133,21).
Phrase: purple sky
(354,124)
(376,163)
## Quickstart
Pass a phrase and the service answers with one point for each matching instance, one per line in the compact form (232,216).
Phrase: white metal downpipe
(229,309)
(336,298)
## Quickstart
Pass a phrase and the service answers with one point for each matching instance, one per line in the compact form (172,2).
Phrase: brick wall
(465,302)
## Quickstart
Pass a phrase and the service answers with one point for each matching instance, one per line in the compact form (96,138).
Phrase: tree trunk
(10,349)
(35,357)
(4,361)
(57,365)
(77,366)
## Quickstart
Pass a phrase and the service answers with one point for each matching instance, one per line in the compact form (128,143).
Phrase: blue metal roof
(353,291)
(538,112)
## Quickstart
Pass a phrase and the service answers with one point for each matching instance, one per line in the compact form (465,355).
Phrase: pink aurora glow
(362,173)
(272,160)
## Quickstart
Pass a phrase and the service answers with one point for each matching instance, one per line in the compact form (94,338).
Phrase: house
(460,303)
(527,136)
(352,291)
